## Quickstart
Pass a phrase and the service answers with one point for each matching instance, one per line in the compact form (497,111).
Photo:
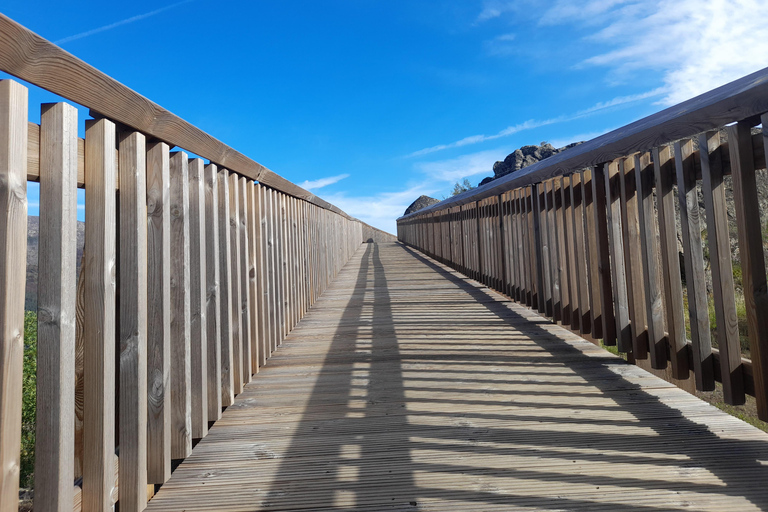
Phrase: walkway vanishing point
(410,387)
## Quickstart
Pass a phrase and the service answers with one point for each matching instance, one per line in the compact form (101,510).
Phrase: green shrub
(29,389)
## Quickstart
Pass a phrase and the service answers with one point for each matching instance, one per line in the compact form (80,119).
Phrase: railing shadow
(403,418)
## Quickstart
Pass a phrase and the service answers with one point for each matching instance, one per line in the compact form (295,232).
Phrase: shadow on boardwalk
(411,388)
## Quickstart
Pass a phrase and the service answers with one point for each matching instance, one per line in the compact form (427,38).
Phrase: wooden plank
(554,264)
(663,170)
(198,300)
(159,315)
(213,292)
(249,344)
(270,216)
(695,278)
(562,244)
(602,250)
(751,255)
(133,322)
(235,282)
(591,244)
(539,242)
(55,421)
(633,265)
(618,270)
(256,275)
(99,347)
(654,305)
(537,396)
(571,251)
(580,254)
(13,258)
(225,295)
(266,216)
(181,362)
(726,317)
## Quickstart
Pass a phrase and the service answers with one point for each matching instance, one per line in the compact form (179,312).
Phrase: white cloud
(116,24)
(454,169)
(693,46)
(534,123)
(322,182)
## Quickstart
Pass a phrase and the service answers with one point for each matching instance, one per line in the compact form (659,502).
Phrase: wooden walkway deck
(409,387)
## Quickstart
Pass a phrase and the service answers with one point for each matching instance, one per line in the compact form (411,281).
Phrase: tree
(461,186)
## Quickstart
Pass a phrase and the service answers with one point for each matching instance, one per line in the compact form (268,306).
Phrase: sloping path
(409,387)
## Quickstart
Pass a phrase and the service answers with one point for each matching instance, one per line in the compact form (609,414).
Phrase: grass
(29,390)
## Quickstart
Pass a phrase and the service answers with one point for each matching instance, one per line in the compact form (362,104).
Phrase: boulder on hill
(525,156)
(420,203)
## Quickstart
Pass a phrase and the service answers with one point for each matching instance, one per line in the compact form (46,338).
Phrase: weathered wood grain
(249,344)
(99,348)
(654,306)
(133,322)
(159,314)
(618,268)
(55,397)
(663,170)
(198,303)
(213,292)
(726,317)
(234,285)
(181,363)
(752,259)
(225,294)
(695,278)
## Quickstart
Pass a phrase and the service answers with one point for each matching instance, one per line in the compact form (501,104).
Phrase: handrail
(34,59)
(737,100)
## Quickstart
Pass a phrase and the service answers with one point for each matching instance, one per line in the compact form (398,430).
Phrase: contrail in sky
(126,21)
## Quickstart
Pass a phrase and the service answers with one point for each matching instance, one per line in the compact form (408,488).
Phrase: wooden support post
(55,422)
(181,378)
(249,348)
(212,292)
(654,305)
(198,299)
(99,350)
(633,265)
(751,252)
(595,304)
(159,314)
(726,317)
(695,278)
(235,318)
(133,322)
(663,170)
(225,294)
(602,248)
(620,293)
(582,276)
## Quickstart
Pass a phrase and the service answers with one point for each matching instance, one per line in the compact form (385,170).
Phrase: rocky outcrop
(523,157)
(420,203)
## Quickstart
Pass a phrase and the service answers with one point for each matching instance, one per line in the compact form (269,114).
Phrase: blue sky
(372,103)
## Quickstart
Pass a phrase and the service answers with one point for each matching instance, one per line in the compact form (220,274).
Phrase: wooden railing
(193,273)
(588,237)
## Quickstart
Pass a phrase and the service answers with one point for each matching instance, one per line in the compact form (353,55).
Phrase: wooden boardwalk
(410,387)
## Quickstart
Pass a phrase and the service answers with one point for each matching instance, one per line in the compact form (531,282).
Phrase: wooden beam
(133,322)
(99,349)
(159,315)
(55,422)
(13,264)
(213,292)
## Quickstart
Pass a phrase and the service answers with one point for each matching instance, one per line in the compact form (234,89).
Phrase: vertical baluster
(55,422)
(213,292)
(99,346)
(663,170)
(618,272)
(133,322)
(235,317)
(713,190)
(654,306)
(159,314)
(225,292)
(181,383)
(751,253)
(198,300)
(249,348)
